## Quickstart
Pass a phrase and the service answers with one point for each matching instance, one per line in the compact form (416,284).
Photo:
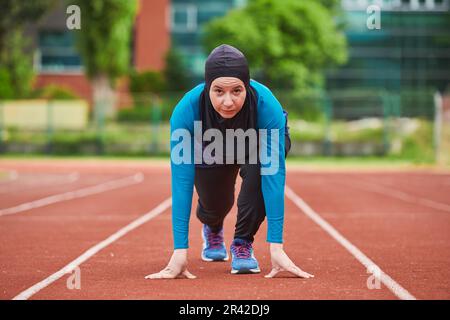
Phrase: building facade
(187,18)
(57,61)
(410,50)
(159,24)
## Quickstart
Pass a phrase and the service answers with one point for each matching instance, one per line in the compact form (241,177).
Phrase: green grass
(418,147)
(112,133)
(126,141)
(340,131)
(34,156)
(350,162)
(321,161)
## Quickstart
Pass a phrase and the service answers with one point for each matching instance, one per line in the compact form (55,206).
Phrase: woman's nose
(227,102)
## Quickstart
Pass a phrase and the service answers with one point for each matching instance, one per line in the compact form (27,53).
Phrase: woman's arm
(272,155)
(182,169)
(177,267)
(271,117)
(182,175)
(182,185)
(281,262)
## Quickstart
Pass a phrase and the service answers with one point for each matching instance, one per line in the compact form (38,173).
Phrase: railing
(345,123)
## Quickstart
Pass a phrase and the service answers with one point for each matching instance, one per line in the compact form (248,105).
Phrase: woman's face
(227,96)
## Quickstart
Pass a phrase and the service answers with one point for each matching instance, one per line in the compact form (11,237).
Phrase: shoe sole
(209,259)
(245,271)
(214,260)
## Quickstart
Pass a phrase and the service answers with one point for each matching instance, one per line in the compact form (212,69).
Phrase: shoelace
(243,251)
(215,240)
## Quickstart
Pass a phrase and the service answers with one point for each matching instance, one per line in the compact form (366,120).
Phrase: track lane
(33,245)
(118,271)
(411,243)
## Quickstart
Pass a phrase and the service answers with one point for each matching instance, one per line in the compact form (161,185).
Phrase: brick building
(56,60)
(409,51)
(159,24)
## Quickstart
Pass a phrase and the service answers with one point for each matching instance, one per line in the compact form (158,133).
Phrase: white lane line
(395,288)
(39,182)
(24,295)
(394,193)
(12,176)
(74,176)
(84,192)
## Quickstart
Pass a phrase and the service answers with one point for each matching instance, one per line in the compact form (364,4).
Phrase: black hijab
(227,61)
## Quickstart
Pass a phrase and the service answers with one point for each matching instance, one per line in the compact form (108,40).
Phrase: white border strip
(93,250)
(396,289)
(84,192)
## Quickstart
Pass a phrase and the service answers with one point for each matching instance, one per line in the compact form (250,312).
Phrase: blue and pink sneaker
(213,245)
(243,259)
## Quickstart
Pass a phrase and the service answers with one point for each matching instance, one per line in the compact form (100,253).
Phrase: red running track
(377,212)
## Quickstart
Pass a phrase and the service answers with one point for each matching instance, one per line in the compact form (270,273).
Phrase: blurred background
(102,77)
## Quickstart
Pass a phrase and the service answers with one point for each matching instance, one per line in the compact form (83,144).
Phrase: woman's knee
(251,179)
(215,206)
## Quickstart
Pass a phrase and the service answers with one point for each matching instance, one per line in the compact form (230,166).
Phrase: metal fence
(344,123)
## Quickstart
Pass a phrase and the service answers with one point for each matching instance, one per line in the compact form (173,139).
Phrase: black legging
(215,188)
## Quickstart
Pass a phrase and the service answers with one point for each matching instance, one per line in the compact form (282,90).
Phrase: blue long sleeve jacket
(269,116)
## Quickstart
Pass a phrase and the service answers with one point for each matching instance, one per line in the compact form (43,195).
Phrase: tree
(175,72)
(287,43)
(333,5)
(14,15)
(16,56)
(104,45)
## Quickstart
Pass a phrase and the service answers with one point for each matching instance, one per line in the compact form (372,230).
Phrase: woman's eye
(237,91)
(218,91)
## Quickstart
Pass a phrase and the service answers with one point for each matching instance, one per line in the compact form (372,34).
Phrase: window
(184,18)
(57,52)
(414,5)
(405,5)
(441,4)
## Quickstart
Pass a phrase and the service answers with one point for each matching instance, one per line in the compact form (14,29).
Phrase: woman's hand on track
(281,262)
(176,268)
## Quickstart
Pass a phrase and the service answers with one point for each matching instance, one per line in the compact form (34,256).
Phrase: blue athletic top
(269,116)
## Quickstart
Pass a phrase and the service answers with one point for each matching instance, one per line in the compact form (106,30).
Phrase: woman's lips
(228,111)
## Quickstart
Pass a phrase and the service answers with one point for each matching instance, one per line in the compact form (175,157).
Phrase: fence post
(2,127)
(155,122)
(99,124)
(437,127)
(49,146)
(327,144)
(386,103)
(397,106)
